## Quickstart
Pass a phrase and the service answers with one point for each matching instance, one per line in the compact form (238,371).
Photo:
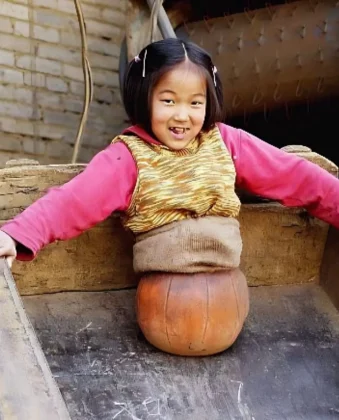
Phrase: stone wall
(41,78)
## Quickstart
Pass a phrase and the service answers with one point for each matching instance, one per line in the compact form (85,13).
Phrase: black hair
(162,56)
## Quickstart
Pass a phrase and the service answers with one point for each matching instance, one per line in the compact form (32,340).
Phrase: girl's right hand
(7,247)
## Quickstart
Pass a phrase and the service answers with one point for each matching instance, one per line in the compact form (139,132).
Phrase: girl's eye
(197,103)
(168,101)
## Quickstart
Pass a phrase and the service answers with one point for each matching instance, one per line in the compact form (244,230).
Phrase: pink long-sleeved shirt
(107,185)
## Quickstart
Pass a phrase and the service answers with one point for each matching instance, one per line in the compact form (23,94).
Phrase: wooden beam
(27,388)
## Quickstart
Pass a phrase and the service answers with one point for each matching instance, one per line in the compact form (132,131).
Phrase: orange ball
(192,314)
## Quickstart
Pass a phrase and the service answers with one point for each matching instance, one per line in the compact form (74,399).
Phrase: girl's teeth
(178,130)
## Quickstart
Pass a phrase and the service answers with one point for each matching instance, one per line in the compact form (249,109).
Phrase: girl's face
(179,106)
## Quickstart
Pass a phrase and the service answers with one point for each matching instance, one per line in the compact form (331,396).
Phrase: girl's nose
(181,114)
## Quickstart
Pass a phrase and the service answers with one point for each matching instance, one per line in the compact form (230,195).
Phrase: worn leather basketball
(192,314)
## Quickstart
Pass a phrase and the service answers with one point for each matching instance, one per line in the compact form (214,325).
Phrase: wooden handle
(29,391)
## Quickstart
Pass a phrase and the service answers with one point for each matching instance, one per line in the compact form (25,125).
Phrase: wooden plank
(280,245)
(329,276)
(284,366)
(99,259)
(27,388)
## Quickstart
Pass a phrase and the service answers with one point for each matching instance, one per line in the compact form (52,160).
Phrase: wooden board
(27,388)
(284,365)
(329,274)
(280,245)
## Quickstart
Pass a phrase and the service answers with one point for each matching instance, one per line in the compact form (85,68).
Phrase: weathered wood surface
(306,153)
(284,365)
(99,259)
(329,273)
(27,388)
(280,245)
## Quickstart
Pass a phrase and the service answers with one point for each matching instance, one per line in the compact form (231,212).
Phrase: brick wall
(41,78)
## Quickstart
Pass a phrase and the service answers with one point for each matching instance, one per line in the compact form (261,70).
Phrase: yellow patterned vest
(174,185)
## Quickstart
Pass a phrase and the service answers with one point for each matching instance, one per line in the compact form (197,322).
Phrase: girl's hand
(7,247)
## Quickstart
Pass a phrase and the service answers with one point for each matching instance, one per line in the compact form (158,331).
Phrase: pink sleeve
(269,172)
(105,186)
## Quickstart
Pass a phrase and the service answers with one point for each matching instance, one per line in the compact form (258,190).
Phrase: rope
(155,11)
(87,77)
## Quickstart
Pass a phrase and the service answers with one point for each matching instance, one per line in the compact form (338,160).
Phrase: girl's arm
(269,172)
(106,185)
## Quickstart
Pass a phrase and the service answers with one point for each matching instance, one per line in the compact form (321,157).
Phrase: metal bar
(164,23)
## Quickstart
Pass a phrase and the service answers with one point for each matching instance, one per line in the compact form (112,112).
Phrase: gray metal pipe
(163,22)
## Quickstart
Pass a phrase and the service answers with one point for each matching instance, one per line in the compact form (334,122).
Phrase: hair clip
(214,71)
(183,46)
(144,64)
(137,58)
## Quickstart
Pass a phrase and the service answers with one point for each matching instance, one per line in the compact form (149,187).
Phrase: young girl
(177,164)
